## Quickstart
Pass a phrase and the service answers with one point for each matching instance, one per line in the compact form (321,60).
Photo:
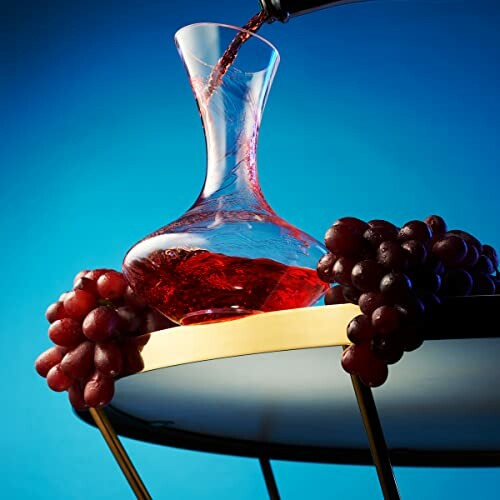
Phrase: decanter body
(229,255)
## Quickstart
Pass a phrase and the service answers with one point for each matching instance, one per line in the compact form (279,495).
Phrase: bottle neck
(282,10)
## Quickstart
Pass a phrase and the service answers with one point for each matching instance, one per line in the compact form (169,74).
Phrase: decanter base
(212,315)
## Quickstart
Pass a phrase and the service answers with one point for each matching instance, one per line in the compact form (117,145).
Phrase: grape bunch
(99,330)
(398,277)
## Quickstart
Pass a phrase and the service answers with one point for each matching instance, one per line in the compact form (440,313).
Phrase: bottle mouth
(185,45)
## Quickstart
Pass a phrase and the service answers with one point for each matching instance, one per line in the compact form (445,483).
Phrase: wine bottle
(282,10)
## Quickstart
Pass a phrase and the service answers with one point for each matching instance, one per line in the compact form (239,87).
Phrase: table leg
(376,439)
(120,454)
(267,471)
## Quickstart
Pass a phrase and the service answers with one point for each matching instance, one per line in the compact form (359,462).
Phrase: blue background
(379,110)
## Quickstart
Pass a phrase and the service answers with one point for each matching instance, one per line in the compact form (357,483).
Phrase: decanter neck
(231,117)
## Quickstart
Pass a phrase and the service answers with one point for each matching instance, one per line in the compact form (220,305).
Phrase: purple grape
(385,319)
(436,224)
(387,348)
(366,275)
(325,266)
(395,286)
(392,256)
(375,235)
(416,252)
(354,223)
(351,294)
(484,265)
(334,295)
(483,284)
(456,282)
(410,337)
(491,253)
(471,258)
(427,280)
(359,329)
(451,250)
(369,301)
(415,230)
(411,309)
(342,270)
(468,238)
(342,240)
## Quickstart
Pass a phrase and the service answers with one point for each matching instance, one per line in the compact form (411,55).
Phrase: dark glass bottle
(282,10)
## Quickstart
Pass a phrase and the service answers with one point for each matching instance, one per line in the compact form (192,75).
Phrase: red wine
(223,64)
(198,286)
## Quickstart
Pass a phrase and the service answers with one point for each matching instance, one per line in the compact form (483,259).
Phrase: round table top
(272,385)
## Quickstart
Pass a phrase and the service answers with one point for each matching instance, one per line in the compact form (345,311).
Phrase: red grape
(155,321)
(111,285)
(385,319)
(355,357)
(324,268)
(386,225)
(99,390)
(108,359)
(96,273)
(132,299)
(57,380)
(55,311)
(374,373)
(87,285)
(78,304)
(78,362)
(132,360)
(48,359)
(100,323)
(79,275)
(366,275)
(66,332)
(75,394)
(130,321)
(334,295)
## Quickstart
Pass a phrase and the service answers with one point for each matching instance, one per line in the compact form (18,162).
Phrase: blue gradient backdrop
(380,110)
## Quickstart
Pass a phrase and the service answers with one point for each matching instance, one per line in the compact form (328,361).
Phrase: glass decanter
(229,255)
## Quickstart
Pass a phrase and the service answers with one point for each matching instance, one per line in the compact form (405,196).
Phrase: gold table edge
(303,328)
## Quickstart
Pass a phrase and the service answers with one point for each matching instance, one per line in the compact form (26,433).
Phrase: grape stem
(118,451)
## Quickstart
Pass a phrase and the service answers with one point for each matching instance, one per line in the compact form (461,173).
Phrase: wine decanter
(229,255)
